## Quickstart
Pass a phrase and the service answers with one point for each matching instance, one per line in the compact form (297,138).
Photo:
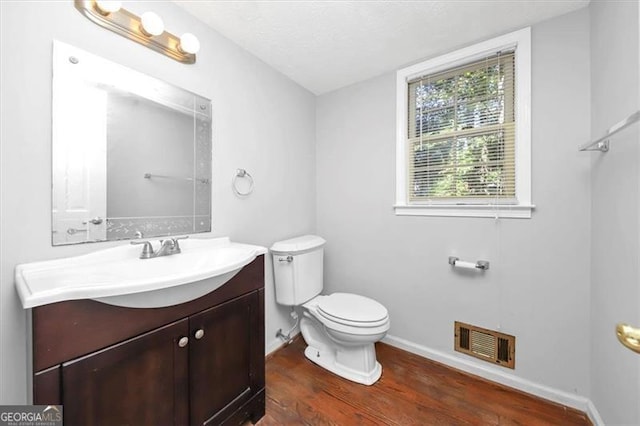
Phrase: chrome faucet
(167,248)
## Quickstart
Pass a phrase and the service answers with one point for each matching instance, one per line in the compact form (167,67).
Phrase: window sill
(516,211)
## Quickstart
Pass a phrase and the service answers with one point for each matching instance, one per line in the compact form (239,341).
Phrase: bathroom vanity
(197,362)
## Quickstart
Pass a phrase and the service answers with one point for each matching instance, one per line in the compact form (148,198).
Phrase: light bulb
(151,24)
(189,43)
(106,7)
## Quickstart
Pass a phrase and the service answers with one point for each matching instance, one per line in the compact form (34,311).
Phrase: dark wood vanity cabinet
(143,381)
(197,363)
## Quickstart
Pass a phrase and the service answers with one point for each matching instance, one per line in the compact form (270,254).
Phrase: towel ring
(242,173)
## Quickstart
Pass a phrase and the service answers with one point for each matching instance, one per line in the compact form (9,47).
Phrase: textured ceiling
(325,45)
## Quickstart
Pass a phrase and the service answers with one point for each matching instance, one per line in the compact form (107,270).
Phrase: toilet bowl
(340,329)
(344,344)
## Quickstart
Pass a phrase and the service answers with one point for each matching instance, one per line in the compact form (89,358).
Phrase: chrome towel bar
(151,175)
(602,144)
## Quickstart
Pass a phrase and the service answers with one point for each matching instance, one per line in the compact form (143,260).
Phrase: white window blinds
(461,134)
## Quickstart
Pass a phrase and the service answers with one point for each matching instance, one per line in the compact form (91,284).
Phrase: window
(463,144)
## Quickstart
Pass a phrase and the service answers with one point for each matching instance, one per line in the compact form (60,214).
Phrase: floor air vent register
(487,345)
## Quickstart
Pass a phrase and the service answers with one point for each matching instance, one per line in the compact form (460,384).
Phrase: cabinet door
(141,381)
(223,361)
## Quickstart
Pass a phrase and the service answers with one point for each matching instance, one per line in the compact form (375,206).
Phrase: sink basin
(118,277)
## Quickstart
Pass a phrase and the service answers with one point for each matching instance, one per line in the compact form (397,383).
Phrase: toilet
(340,329)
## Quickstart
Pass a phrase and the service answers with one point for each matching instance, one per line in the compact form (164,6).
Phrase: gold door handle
(629,336)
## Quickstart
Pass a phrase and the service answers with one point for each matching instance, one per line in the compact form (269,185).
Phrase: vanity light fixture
(151,24)
(106,7)
(147,29)
(189,43)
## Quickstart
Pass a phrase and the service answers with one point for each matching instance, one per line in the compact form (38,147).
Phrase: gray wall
(615,232)
(538,284)
(262,122)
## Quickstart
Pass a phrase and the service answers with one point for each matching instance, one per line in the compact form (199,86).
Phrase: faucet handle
(176,245)
(147,250)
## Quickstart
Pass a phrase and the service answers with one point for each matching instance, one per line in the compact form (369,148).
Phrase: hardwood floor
(411,391)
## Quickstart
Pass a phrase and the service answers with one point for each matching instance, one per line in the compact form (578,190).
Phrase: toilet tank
(297,267)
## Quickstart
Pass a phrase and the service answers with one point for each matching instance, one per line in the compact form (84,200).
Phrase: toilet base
(353,362)
(328,361)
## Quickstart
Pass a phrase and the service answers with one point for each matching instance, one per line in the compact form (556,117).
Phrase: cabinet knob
(199,334)
(183,342)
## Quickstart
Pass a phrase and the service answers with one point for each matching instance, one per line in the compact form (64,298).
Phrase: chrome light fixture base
(129,25)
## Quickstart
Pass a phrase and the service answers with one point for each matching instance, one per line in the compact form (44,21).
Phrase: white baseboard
(561,397)
(593,414)
(277,343)
(274,345)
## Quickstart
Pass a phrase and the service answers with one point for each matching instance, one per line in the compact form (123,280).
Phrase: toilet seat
(352,310)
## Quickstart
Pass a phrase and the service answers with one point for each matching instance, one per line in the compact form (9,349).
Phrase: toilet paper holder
(483,265)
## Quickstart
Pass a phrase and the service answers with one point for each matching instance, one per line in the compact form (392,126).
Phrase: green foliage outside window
(462,132)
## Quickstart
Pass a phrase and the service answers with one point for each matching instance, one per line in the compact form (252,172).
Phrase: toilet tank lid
(298,245)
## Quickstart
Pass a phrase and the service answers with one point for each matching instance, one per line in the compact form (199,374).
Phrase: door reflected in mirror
(131,153)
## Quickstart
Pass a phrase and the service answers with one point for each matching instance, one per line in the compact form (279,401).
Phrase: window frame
(520,41)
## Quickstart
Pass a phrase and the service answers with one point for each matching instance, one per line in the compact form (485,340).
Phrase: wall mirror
(131,154)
